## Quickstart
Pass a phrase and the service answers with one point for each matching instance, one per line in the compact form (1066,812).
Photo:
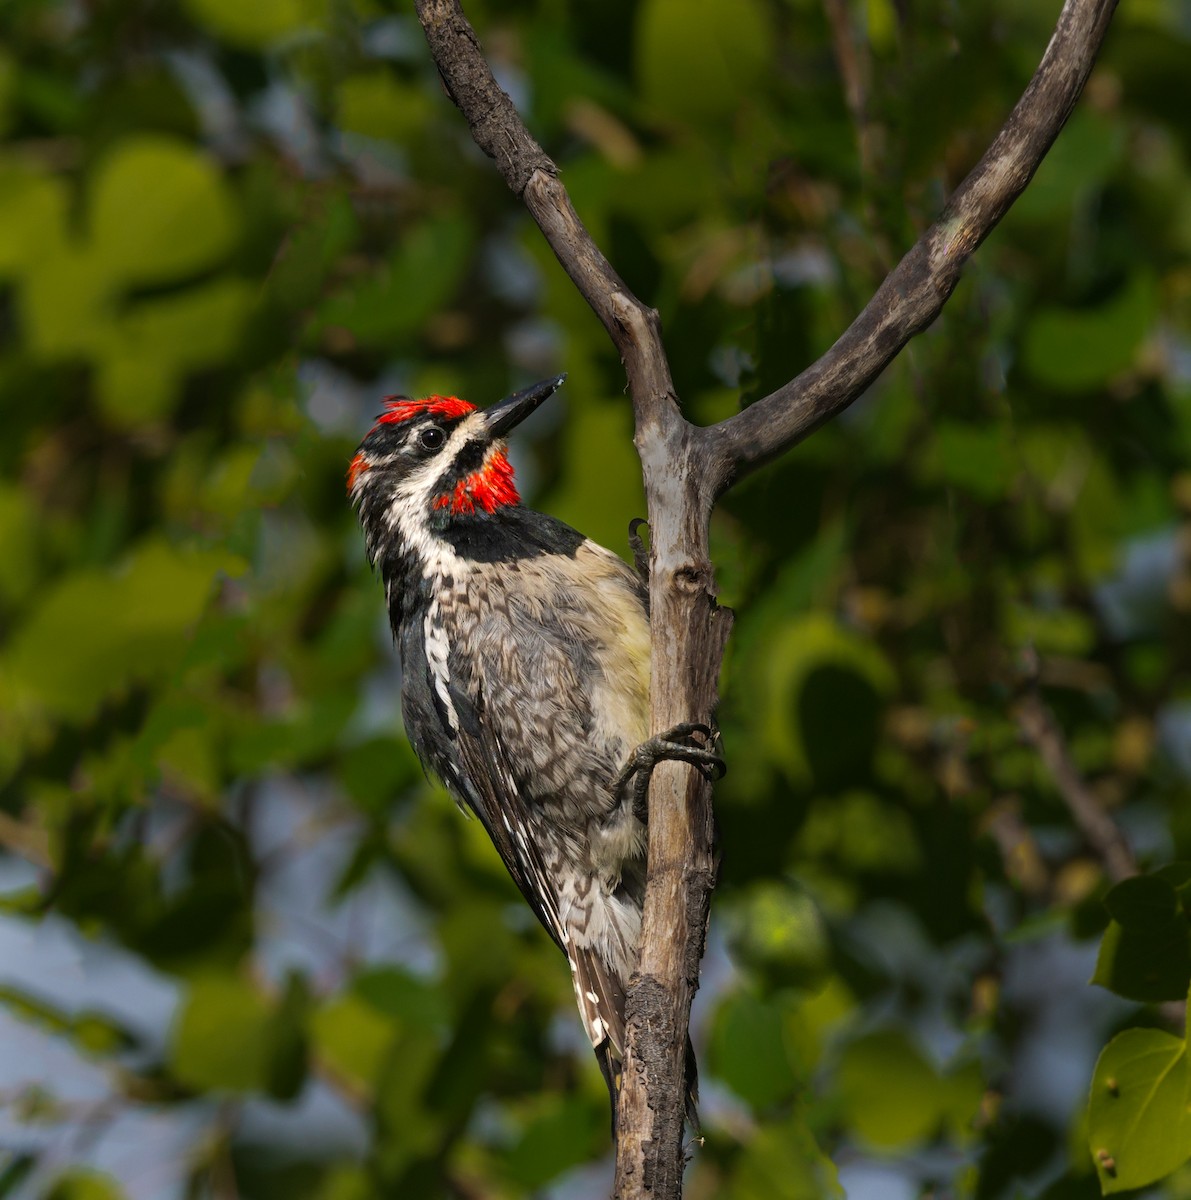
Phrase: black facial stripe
(468,460)
(470,457)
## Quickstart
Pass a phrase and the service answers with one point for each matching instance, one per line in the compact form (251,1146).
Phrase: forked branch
(686,468)
(915,291)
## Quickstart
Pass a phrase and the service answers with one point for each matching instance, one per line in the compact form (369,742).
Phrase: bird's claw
(637,545)
(678,744)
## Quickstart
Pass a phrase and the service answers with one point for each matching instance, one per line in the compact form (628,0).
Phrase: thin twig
(1039,727)
(855,71)
(29,841)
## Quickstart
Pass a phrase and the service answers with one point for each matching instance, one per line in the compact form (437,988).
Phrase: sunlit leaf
(80,1184)
(260,23)
(806,645)
(778,929)
(1139,1116)
(33,208)
(159,210)
(221,1037)
(894,1097)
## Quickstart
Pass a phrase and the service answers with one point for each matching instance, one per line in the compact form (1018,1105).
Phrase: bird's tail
(612,1067)
(600,969)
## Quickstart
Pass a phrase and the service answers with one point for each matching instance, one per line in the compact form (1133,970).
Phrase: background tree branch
(1041,730)
(914,292)
(686,468)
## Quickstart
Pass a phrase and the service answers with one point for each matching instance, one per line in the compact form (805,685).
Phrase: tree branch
(915,291)
(689,630)
(854,69)
(685,469)
(1039,727)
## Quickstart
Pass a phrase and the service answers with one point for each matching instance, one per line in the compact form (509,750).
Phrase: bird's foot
(637,545)
(679,744)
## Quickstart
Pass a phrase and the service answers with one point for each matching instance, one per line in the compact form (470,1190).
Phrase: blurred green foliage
(245,949)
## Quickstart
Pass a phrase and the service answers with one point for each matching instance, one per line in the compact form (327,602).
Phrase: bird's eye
(432,437)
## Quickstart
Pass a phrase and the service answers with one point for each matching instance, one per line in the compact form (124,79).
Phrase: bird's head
(429,464)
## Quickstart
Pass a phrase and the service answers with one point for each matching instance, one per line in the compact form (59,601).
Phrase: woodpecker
(524,649)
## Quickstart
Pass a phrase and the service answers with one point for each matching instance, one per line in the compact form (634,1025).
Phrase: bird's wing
(494,795)
(490,788)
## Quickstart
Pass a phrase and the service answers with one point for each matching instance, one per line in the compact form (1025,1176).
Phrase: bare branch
(1041,730)
(1102,834)
(491,117)
(532,175)
(915,291)
(689,631)
(854,69)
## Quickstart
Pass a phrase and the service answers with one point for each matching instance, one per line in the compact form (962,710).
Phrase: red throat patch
(489,488)
(355,469)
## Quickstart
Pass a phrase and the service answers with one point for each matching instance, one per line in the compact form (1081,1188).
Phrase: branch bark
(687,468)
(1039,727)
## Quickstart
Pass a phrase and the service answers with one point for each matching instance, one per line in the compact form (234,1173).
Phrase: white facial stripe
(409,509)
(420,482)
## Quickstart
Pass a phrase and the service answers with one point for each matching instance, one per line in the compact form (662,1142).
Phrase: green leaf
(1139,1114)
(417,281)
(18,543)
(221,1040)
(1145,953)
(695,57)
(804,646)
(80,1184)
(1063,631)
(1143,902)
(97,632)
(861,831)
(353,1038)
(778,929)
(784,1162)
(33,209)
(976,458)
(600,489)
(1085,155)
(379,105)
(159,210)
(146,352)
(748,1050)
(564,1134)
(414,1002)
(1075,350)
(260,23)
(893,1097)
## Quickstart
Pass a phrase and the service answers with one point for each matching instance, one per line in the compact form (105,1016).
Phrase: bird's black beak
(512,410)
